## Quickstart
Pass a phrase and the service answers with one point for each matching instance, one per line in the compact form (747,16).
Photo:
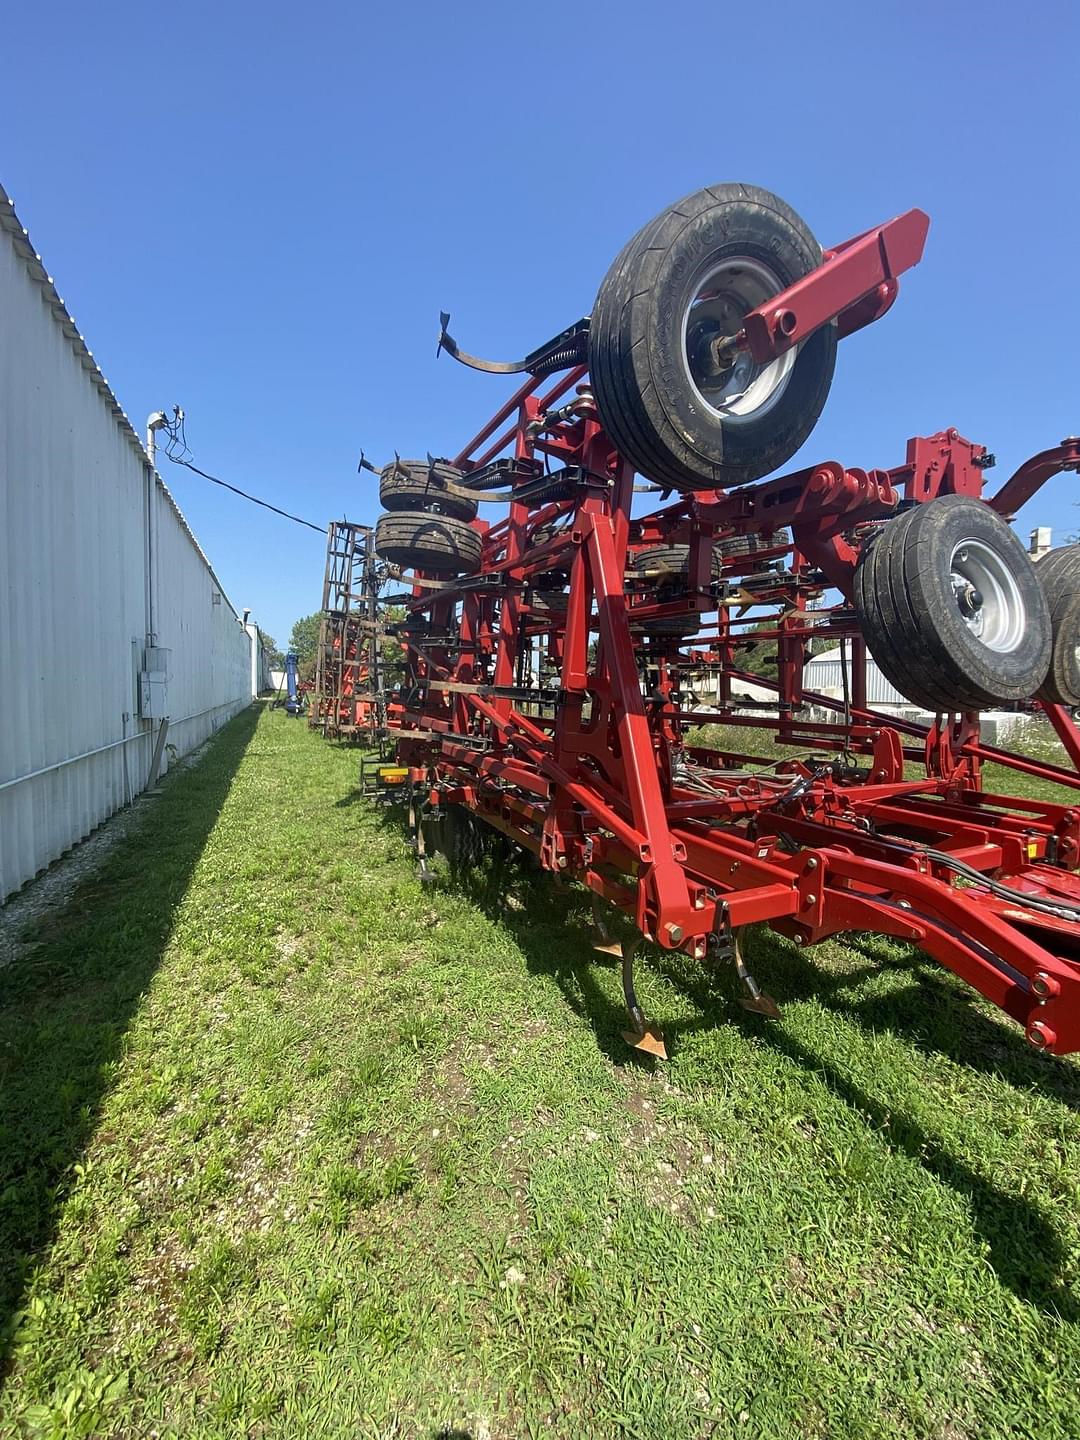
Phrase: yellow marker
(1032,849)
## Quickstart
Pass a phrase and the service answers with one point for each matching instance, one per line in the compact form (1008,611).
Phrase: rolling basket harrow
(546,688)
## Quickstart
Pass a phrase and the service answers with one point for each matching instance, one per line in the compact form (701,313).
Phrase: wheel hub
(725,379)
(987,596)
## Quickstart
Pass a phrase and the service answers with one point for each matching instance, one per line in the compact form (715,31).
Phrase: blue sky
(257,211)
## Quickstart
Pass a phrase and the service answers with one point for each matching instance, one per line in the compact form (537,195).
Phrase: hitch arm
(855,284)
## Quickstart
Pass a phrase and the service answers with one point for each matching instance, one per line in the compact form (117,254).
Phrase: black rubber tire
(750,544)
(560,573)
(435,543)
(1059,575)
(466,841)
(882,626)
(668,560)
(636,356)
(672,560)
(912,622)
(548,601)
(416,485)
(674,563)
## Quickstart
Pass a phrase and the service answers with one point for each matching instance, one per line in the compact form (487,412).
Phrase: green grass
(294,1147)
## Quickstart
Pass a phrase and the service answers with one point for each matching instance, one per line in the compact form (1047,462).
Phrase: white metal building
(96,565)
(824,674)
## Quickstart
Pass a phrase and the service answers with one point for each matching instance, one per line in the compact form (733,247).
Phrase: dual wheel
(958,618)
(426,526)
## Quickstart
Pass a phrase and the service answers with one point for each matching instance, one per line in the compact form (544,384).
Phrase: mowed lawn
(292,1146)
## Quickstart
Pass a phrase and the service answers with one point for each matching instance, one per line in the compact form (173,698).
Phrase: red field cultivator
(550,655)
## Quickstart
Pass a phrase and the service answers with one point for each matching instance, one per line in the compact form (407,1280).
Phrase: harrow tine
(416,826)
(643,1035)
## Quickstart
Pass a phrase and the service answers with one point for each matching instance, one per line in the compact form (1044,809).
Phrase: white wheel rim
(987,596)
(718,303)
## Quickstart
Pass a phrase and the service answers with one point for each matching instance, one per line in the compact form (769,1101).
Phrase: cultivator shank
(551,655)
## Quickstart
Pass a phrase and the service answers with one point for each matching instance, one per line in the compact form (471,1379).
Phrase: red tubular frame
(593,772)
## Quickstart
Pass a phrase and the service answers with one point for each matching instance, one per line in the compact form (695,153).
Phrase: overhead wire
(177,451)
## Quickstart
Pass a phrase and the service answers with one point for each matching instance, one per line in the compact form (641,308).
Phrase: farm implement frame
(546,690)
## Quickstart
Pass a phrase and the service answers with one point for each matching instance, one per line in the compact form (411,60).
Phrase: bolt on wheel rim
(739,390)
(987,596)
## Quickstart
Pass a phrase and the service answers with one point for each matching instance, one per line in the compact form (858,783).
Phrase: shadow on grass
(354,797)
(64,1006)
(554,932)
(936,1013)
(1026,1251)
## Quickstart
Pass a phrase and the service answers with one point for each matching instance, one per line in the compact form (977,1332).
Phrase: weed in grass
(367,1185)
(367,1071)
(319,1063)
(83,1406)
(206,1289)
(313,1323)
(577,1284)
(418,1032)
(380,1323)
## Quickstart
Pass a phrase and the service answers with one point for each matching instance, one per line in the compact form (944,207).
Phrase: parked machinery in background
(295,704)
(547,651)
(347,663)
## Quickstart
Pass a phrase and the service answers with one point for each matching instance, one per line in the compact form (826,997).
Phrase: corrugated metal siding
(824,674)
(74,587)
(261,677)
(210,660)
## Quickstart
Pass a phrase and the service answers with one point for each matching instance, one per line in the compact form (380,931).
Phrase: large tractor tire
(683,418)
(952,609)
(418,485)
(1059,575)
(438,544)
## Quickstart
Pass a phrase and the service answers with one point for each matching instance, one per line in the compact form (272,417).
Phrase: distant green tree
(274,656)
(393,652)
(304,640)
(759,657)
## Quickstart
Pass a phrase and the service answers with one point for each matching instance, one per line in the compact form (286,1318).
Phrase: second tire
(438,544)
(952,609)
